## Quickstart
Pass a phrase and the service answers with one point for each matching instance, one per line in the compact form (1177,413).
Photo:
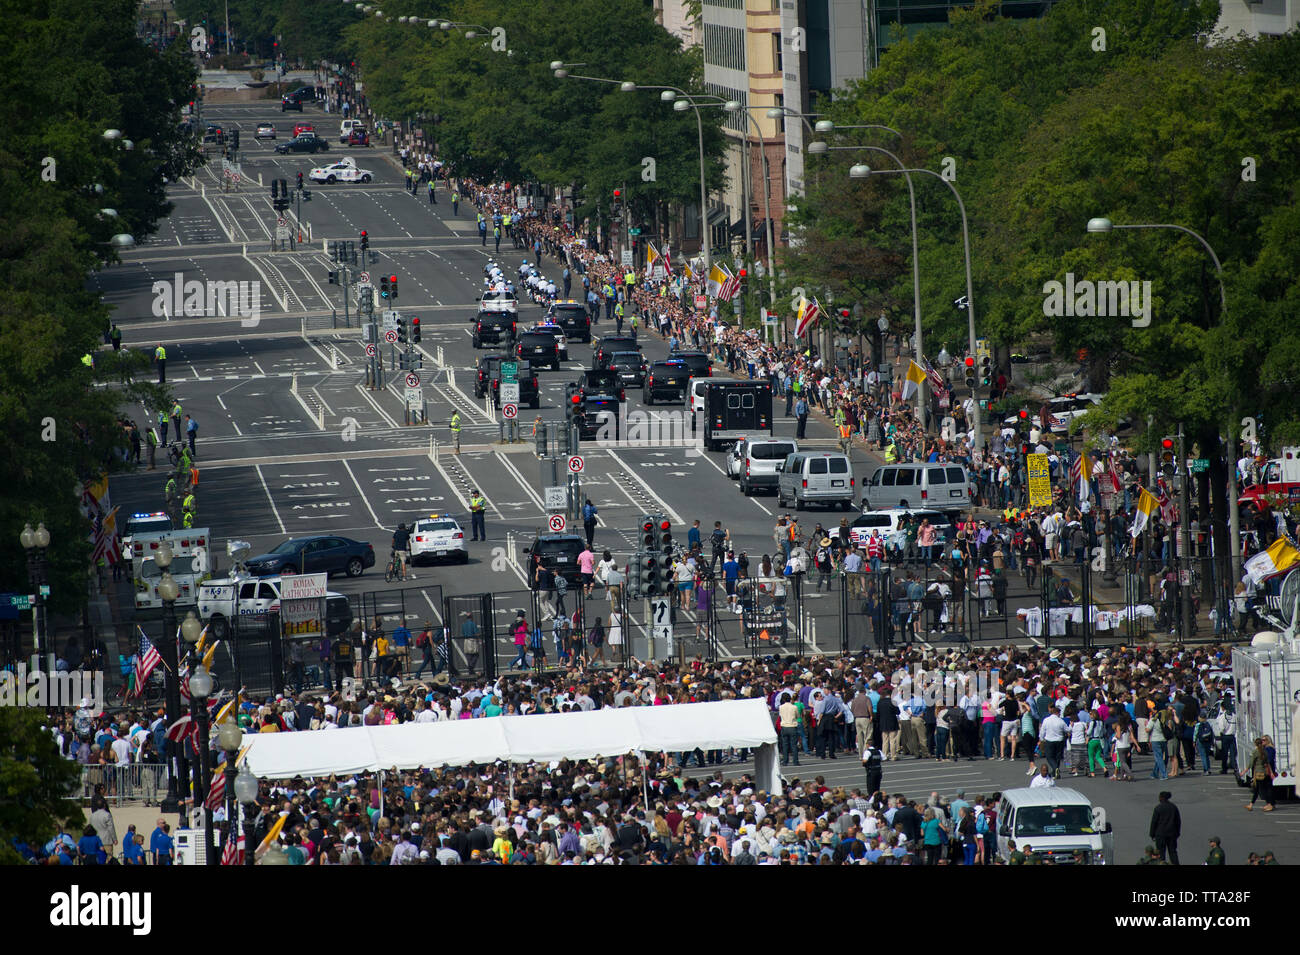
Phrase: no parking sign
(556,523)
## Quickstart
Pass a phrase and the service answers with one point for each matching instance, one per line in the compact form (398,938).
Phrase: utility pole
(1184,538)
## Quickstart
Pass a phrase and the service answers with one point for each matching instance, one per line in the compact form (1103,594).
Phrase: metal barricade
(134,782)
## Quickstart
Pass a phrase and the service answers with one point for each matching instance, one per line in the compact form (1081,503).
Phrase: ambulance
(191,565)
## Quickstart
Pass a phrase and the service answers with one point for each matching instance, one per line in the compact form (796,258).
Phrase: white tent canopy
(523,739)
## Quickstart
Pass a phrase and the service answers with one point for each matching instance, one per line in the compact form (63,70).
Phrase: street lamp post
(1101,225)
(861,172)
(916,256)
(732,106)
(200,685)
(36,543)
(170,591)
(229,738)
(246,791)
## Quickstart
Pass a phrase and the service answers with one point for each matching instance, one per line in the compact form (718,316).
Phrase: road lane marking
(348,467)
(270,500)
(667,509)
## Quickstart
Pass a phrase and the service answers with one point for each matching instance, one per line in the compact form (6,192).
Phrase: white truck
(1266,678)
(307,608)
(190,567)
(1279,480)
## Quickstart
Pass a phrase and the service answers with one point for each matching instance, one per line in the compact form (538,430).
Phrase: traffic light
(574,407)
(275,189)
(234,144)
(415,330)
(970,372)
(384,290)
(651,586)
(647,532)
(541,439)
(634,581)
(986,370)
(1167,455)
(663,535)
(401,330)
(365,240)
(392,287)
(562,439)
(334,277)
(284,188)
(300,180)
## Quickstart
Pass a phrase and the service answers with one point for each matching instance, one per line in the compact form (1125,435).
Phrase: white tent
(523,739)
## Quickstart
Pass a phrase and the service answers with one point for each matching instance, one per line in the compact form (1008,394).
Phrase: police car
(438,535)
(345,170)
(550,328)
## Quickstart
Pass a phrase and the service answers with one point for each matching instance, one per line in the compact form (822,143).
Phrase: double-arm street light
(36,543)
(200,686)
(1102,226)
(818,148)
(668,94)
(863,171)
(734,106)
(169,592)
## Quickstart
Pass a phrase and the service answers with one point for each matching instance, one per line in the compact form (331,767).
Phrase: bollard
(293,387)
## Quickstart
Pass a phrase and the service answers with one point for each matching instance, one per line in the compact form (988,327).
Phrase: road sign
(661,619)
(1200,464)
(44,589)
(556,497)
(282,233)
(21,601)
(627,258)
(633,231)
(701,303)
(509,370)
(390,336)
(576,464)
(413,396)
(365,278)
(235,177)
(371,351)
(509,392)
(282,222)
(510,411)
(412,380)
(390,317)
(556,523)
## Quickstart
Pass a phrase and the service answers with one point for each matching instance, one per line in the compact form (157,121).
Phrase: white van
(815,477)
(1053,822)
(942,486)
(755,462)
(346,127)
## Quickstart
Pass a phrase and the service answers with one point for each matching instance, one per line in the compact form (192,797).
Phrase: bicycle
(395,569)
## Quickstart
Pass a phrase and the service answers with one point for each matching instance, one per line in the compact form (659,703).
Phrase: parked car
(314,555)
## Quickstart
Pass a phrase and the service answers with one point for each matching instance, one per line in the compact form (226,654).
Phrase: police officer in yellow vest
(88,360)
(477,504)
(455,429)
(618,318)
(505,224)
(160,356)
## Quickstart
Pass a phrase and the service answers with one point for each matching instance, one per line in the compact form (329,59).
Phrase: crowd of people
(1060,713)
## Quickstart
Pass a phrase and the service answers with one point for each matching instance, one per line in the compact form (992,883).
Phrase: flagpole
(1184,534)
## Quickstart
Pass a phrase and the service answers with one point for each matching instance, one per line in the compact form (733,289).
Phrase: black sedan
(315,555)
(303,143)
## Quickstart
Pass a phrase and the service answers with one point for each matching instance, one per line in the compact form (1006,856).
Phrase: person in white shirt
(1043,780)
(1078,746)
(1051,736)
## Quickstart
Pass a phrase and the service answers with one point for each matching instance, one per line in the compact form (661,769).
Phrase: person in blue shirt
(730,573)
(90,848)
(133,848)
(160,844)
(693,536)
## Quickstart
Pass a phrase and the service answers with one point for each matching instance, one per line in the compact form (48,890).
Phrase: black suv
(295,99)
(529,392)
(602,381)
(597,416)
(630,366)
(610,344)
(539,348)
(572,317)
(559,553)
(667,381)
(700,364)
(495,328)
(303,143)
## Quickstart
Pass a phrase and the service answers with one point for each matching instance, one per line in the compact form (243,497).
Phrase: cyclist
(401,551)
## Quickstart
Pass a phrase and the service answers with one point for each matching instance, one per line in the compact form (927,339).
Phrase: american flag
(217,791)
(185,683)
(1167,510)
(1114,474)
(182,728)
(729,288)
(233,853)
(145,663)
(936,380)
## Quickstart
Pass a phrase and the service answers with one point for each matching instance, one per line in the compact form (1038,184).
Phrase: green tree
(37,785)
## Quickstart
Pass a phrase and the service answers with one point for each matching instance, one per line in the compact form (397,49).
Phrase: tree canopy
(37,784)
(72,72)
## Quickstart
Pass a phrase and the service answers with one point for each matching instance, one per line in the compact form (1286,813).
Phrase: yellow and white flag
(1146,506)
(717,276)
(915,378)
(1272,561)
(651,254)
(687,270)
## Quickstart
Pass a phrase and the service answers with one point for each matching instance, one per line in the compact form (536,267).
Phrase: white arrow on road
(378,470)
(677,474)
